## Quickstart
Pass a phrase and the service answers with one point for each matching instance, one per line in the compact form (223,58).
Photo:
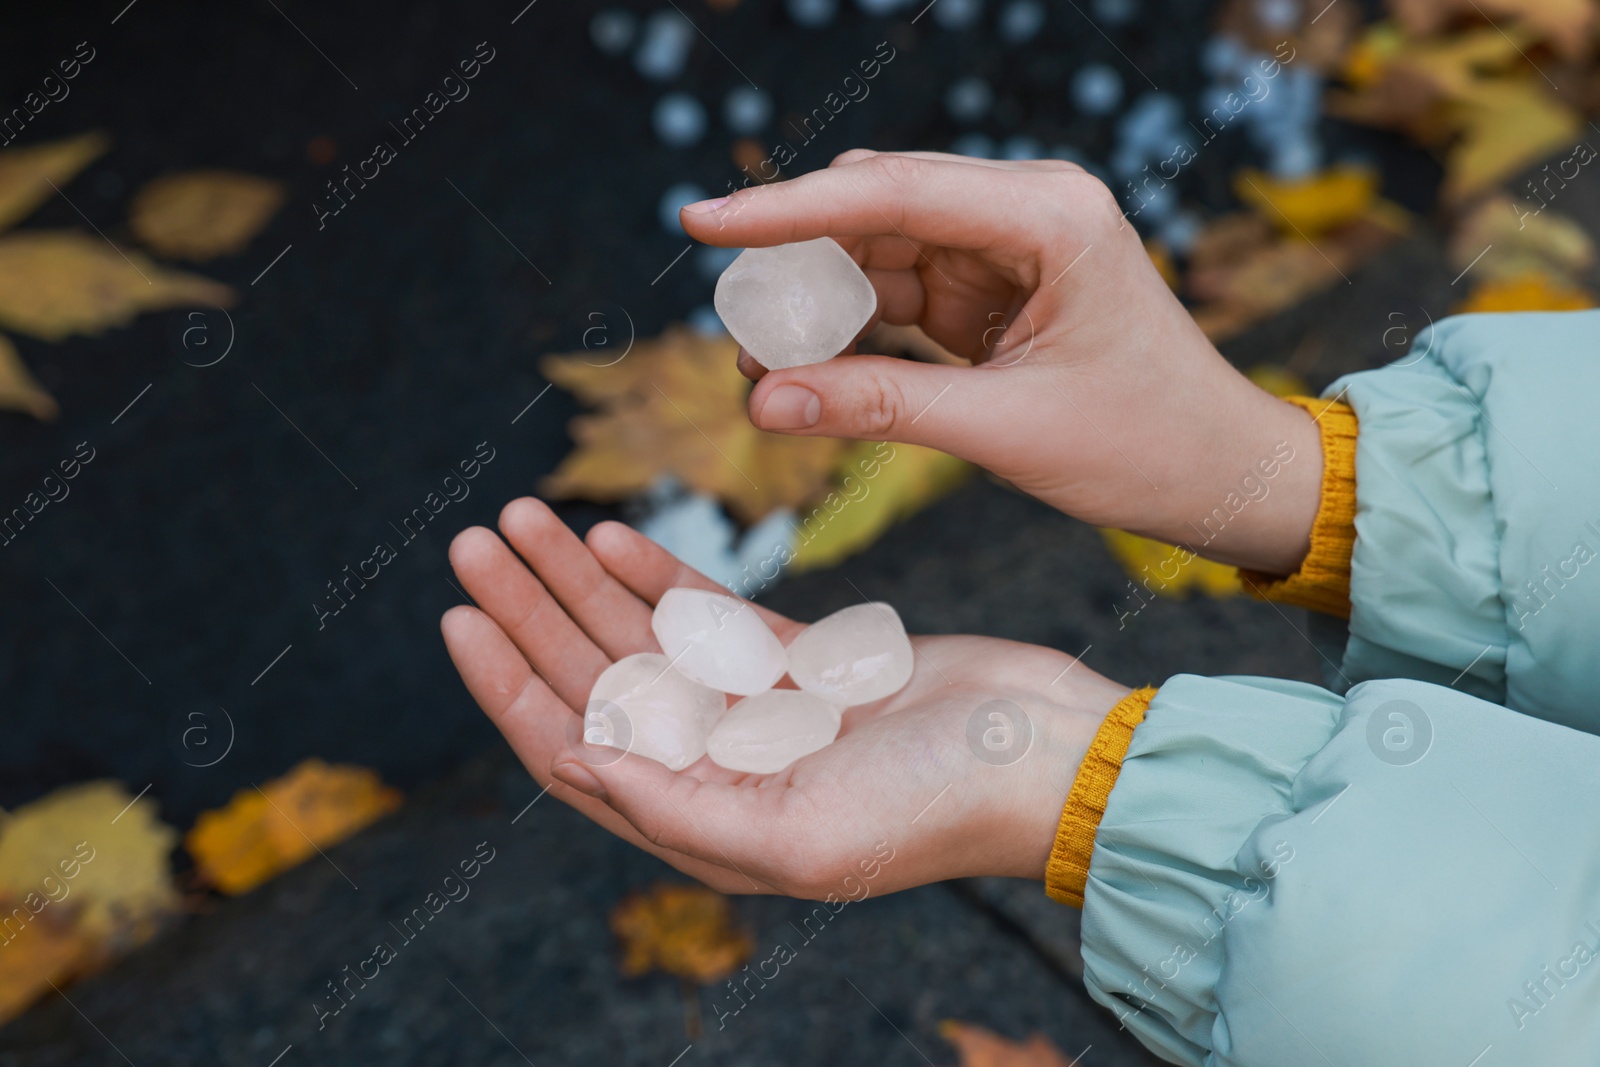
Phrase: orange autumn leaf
(265,831)
(49,951)
(985,1048)
(684,930)
(203,214)
(675,406)
(1529,292)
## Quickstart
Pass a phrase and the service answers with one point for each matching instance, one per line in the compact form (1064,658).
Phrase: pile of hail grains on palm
(677,707)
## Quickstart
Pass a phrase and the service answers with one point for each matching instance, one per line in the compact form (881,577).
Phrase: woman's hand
(1095,391)
(931,777)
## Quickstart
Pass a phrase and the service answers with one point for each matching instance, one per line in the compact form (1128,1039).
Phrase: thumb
(879,398)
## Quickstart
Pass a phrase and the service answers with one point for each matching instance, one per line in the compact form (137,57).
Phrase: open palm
(962,772)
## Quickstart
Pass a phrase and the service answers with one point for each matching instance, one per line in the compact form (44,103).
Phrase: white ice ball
(854,656)
(641,704)
(718,641)
(765,733)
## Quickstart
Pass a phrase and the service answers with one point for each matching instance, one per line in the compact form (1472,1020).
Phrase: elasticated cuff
(1323,581)
(1214,760)
(1068,869)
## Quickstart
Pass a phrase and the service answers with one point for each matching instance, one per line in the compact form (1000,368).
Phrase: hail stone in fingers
(795,304)
(641,704)
(718,641)
(765,733)
(854,656)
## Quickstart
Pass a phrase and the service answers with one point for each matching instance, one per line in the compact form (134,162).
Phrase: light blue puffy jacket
(1407,873)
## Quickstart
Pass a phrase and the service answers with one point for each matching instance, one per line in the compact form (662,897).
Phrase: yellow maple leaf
(203,214)
(1528,292)
(1311,205)
(684,930)
(120,887)
(19,389)
(675,406)
(1143,558)
(57,283)
(1505,126)
(267,830)
(1474,95)
(985,1048)
(30,176)
(879,484)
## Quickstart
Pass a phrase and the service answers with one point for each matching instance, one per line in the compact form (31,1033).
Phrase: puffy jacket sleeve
(1403,875)
(1476,560)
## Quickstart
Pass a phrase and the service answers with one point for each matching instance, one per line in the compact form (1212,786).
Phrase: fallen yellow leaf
(265,831)
(49,951)
(57,283)
(1529,292)
(879,484)
(1144,559)
(1505,126)
(19,390)
(1504,239)
(985,1048)
(1565,25)
(29,176)
(1311,205)
(1474,95)
(106,855)
(1239,273)
(675,406)
(684,930)
(203,214)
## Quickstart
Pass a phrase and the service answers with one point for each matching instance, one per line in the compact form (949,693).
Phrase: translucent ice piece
(640,703)
(795,304)
(767,732)
(718,641)
(854,656)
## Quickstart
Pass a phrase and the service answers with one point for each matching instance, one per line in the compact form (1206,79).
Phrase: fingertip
(525,512)
(471,544)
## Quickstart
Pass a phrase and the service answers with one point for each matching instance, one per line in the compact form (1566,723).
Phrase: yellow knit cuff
(1068,870)
(1323,581)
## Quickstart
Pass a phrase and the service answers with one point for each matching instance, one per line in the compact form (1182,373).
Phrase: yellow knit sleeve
(1068,869)
(1323,581)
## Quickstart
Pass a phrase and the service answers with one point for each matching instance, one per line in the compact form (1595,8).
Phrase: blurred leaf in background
(266,830)
(684,930)
(203,214)
(985,1048)
(675,405)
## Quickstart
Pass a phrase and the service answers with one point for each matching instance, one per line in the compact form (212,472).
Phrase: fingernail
(705,207)
(790,407)
(580,778)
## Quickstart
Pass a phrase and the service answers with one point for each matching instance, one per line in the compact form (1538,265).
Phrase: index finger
(945,202)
